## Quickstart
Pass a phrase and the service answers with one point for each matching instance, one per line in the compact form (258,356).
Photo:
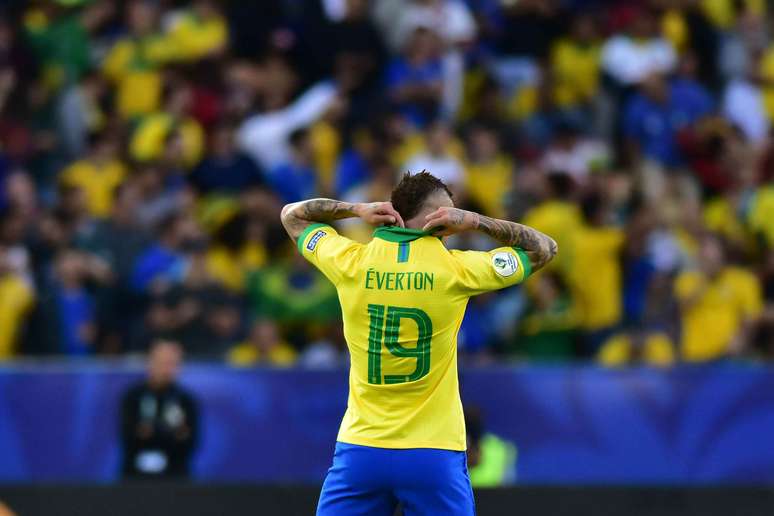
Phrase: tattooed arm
(540,248)
(298,216)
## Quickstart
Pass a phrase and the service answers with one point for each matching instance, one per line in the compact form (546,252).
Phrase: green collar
(399,234)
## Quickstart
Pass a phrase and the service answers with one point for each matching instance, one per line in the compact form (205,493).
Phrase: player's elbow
(550,249)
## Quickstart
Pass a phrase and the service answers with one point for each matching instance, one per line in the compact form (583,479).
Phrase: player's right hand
(379,214)
(447,221)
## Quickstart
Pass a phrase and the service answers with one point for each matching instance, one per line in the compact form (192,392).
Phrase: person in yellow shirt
(719,305)
(637,346)
(263,346)
(574,63)
(133,63)
(237,250)
(170,135)
(557,215)
(16,300)
(488,171)
(595,272)
(98,174)
(200,31)
(403,296)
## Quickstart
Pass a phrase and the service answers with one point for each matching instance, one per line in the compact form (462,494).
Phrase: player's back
(403,297)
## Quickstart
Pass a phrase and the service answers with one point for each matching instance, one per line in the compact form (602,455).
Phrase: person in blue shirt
(654,116)
(414,81)
(225,169)
(74,305)
(296,179)
(163,263)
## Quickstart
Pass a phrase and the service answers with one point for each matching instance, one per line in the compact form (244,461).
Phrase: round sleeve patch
(505,264)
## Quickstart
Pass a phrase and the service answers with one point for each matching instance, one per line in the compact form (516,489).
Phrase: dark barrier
(573,425)
(227,500)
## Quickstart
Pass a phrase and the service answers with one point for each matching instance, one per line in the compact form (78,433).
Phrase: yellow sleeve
(750,296)
(481,272)
(330,252)
(686,285)
(117,60)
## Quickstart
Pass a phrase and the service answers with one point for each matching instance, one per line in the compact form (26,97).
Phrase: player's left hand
(379,213)
(448,221)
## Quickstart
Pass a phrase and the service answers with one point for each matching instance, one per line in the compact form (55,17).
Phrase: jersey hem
(400,445)
(305,233)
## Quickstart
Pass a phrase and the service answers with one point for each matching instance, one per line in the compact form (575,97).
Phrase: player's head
(418,195)
(164,362)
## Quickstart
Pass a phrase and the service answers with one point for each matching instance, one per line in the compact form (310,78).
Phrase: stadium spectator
(98,173)
(654,116)
(641,52)
(488,171)
(438,156)
(164,263)
(159,419)
(296,178)
(549,328)
(492,461)
(719,304)
(597,249)
(224,169)
(262,346)
(414,81)
(16,300)
(637,346)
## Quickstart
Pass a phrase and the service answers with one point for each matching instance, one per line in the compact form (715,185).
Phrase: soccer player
(403,296)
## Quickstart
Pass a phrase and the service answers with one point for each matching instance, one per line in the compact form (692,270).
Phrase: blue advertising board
(571,424)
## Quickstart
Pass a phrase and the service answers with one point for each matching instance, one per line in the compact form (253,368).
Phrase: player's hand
(448,221)
(378,214)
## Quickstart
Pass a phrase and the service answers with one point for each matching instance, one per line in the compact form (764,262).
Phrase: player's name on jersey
(377,280)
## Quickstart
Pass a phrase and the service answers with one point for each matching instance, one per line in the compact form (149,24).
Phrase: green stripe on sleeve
(524,259)
(305,233)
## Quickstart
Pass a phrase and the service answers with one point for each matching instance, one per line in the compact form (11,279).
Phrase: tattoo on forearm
(539,247)
(304,213)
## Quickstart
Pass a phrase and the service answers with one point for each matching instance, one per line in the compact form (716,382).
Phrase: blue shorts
(372,481)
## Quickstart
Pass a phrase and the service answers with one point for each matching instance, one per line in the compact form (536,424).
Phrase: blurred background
(157,323)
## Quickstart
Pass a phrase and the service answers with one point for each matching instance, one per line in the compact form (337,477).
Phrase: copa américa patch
(505,264)
(312,244)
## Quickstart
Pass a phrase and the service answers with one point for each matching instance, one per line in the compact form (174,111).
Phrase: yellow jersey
(717,315)
(403,296)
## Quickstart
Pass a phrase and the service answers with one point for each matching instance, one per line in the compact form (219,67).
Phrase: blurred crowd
(146,147)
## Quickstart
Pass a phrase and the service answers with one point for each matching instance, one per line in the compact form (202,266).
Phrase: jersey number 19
(387,329)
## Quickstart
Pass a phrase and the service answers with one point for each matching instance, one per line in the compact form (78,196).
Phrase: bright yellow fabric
(133,66)
(721,12)
(326,145)
(246,354)
(195,38)
(231,269)
(767,72)
(675,29)
(596,276)
(16,298)
(575,71)
(98,182)
(150,138)
(617,350)
(720,217)
(488,184)
(761,215)
(422,411)
(724,303)
(562,220)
